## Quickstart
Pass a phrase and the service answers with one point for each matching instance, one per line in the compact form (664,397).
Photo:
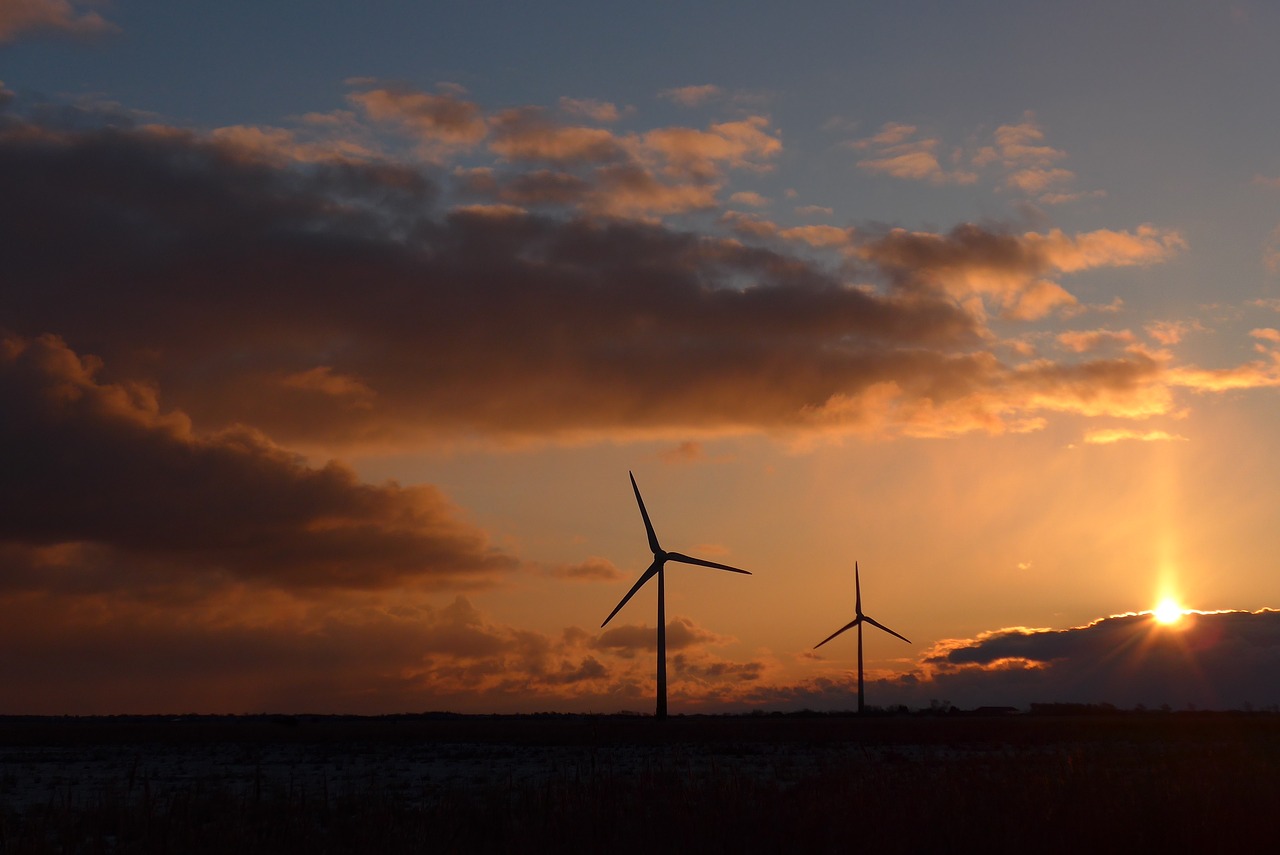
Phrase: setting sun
(1168,611)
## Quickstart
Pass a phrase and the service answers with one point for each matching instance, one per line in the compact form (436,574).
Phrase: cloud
(691,96)
(1213,660)
(1271,251)
(337,142)
(685,452)
(1266,334)
(1017,152)
(1110,436)
(1008,270)
(1209,660)
(1172,332)
(1034,180)
(750,199)
(1020,145)
(528,134)
(757,228)
(744,144)
(229,654)
(594,569)
(682,634)
(231,651)
(890,134)
(20,17)
(106,472)
(629,190)
(1083,341)
(599,111)
(444,119)
(1262,373)
(379,304)
(899,156)
(324,381)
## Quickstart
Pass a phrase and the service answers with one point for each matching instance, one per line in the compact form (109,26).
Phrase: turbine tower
(858,621)
(660,558)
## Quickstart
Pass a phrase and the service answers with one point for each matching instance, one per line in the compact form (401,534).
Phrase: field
(1046,783)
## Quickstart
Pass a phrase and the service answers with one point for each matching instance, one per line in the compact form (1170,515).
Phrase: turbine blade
(875,622)
(648,526)
(857,588)
(645,577)
(686,559)
(850,625)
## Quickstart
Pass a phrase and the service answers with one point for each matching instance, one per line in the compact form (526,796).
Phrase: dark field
(1118,782)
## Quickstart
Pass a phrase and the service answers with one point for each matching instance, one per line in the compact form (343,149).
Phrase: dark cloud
(223,279)
(682,633)
(1212,660)
(102,465)
(239,652)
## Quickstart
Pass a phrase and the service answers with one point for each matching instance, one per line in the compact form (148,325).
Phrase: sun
(1167,612)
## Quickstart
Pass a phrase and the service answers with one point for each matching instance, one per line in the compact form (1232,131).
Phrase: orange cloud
(599,111)
(1172,332)
(1019,145)
(1081,341)
(899,156)
(1035,180)
(630,191)
(594,569)
(280,145)
(1007,269)
(748,225)
(685,452)
(1110,436)
(919,163)
(60,16)
(750,199)
(444,119)
(702,154)
(325,381)
(528,134)
(691,96)
(1107,248)
(890,134)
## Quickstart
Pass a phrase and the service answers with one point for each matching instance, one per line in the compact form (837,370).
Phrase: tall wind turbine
(660,558)
(858,621)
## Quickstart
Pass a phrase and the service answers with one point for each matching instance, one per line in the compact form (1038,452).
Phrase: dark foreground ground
(1101,783)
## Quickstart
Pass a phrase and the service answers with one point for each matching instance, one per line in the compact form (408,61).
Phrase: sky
(329,334)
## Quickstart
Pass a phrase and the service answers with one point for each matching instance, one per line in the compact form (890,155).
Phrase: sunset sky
(330,332)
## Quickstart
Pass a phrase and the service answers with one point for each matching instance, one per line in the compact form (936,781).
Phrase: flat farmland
(768,783)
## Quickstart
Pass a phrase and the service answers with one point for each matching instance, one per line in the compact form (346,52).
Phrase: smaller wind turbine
(858,621)
(660,558)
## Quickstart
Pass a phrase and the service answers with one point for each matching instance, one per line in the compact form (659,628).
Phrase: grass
(700,784)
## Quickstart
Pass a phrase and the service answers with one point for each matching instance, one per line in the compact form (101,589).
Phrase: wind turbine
(858,621)
(660,558)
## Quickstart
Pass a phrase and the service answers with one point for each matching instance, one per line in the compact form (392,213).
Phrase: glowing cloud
(1110,436)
